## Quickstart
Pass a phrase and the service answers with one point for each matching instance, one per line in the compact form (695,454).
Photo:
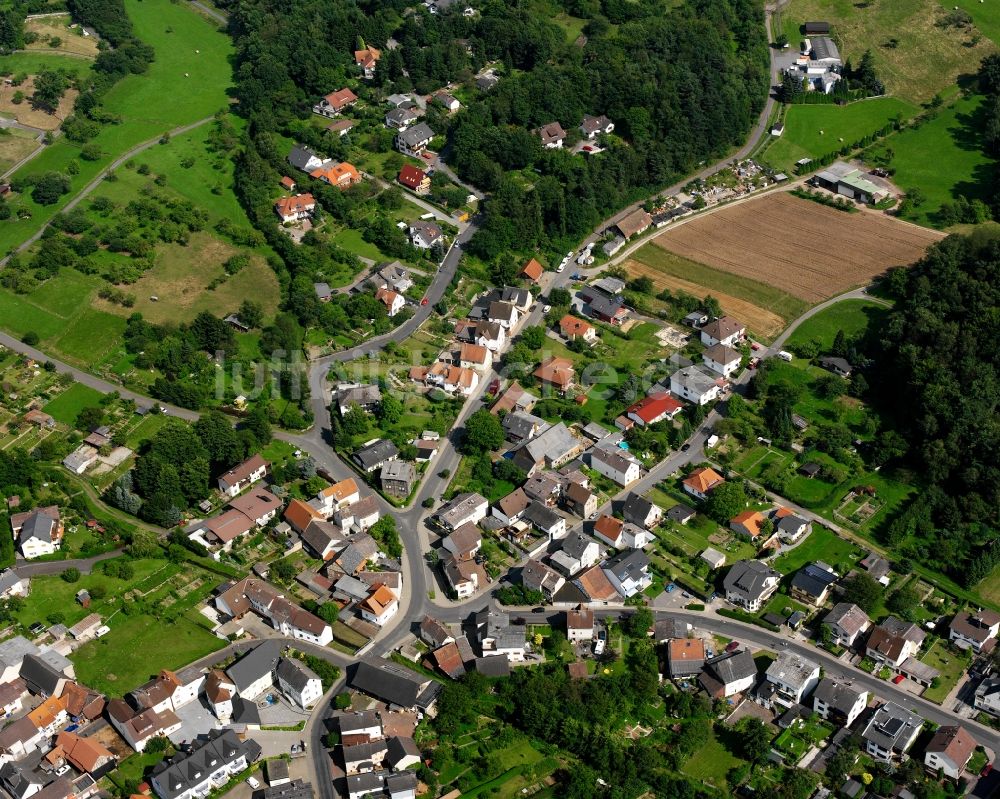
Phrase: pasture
(802,248)
(913,55)
(943,157)
(986,16)
(851,316)
(15,145)
(812,131)
(55,35)
(764,309)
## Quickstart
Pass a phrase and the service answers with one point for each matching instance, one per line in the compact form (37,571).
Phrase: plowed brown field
(806,249)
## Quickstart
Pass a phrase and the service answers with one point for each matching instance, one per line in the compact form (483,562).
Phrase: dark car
(685,447)
(538,610)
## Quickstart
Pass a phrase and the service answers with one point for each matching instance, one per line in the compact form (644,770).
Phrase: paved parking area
(196,719)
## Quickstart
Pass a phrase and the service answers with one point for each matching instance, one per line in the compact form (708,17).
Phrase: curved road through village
(420,588)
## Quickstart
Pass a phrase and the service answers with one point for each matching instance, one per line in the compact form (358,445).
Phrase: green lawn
(711,763)
(944,157)
(850,316)
(783,605)
(951,665)
(67,405)
(760,294)
(133,651)
(820,544)
(35,62)
(815,130)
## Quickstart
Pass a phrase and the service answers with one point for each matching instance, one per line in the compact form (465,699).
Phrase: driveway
(196,720)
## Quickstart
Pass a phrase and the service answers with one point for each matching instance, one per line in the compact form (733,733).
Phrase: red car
(987,770)
(755,346)
(423,301)
(898,679)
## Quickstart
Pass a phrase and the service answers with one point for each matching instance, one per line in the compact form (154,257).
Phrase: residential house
(393,276)
(462,576)
(402,753)
(695,385)
(414,179)
(551,449)
(987,698)
(360,723)
(340,176)
(838,702)
(138,729)
(579,624)
(657,407)
(543,487)
(578,552)
(682,514)
(975,630)
(206,766)
(532,270)
(580,500)
(685,657)
(380,606)
(616,464)
(340,495)
(462,509)
(434,633)
(366,396)
(641,512)
(812,583)
(610,310)
(520,428)
(750,583)
(701,482)
(949,751)
(893,641)
(490,335)
(518,297)
(839,366)
(621,535)
(634,223)
(591,127)
(452,379)
(414,140)
(465,542)
(629,572)
(243,475)
(537,576)
(552,136)
(81,459)
(38,532)
(341,126)
(725,330)
(292,209)
(504,314)
(86,755)
(499,636)
(846,622)
(18,781)
(722,359)
(545,520)
(729,674)
(595,585)
(335,102)
(400,118)
(393,302)
(305,159)
(573,328)
(366,60)
(789,527)
(890,732)
(474,356)
(372,456)
(397,478)
(424,235)
(446,101)
(285,616)
(18,739)
(508,509)
(357,555)
(556,372)
(794,678)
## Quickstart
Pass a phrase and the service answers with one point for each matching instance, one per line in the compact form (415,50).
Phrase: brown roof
(86,754)
(508,399)
(229,525)
(608,527)
(378,600)
(577,670)
(242,471)
(886,643)
(532,270)
(580,618)
(341,98)
(953,742)
(703,479)
(515,502)
(723,327)
(341,491)
(975,626)
(17,520)
(47,712)
(558,371)
(466,538)
(256,503)
(750,520)
(476,353)
(449,660)
(681,650)
(596,585)
(217,686)
(299,514)
(635,222)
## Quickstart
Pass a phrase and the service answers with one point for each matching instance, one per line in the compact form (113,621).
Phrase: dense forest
(939,353)
(682,85)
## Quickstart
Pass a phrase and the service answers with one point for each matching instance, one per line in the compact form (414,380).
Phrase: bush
(30,338)
(71,575)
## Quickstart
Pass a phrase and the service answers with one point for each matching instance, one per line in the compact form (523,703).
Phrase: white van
(785,355)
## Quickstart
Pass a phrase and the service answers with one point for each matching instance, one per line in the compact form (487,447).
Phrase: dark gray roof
(813,580)
(519,425)
(38,526)
(576,544)
(840,364)
(375,453)
(39,675)
(493,666)
(636,508)
(790,523)
(732,666)
(604,306)
(17,780)
(255,664)
(245,712)
(296,789)
(837,695)
(891,727)
(369,782)
(294,673)
(749,577)
(320,534)
(402,781)
(184,770)
(670,627)
(399,747)
(418,133)
(392,684)
(626,565)
(355,722)
(277,769)
(823,47)
(540,515)
(300,155)
(367,752)
(680,512)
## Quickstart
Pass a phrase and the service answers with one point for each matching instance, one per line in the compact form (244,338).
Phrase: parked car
(732,646)
(671,588)
(754,346)
(423,301)
(253,782)
(546,308)
(987,770)
(685,447)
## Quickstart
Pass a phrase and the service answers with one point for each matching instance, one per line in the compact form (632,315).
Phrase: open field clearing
(26,114)
(180,278)
(57,30)
(14,146)
(808,250)
(850,316)
(762,322)
(812,131)
(913,56)
(985,15)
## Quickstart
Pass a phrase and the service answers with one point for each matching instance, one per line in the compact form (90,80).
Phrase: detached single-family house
(573,328)
(397,478)
(629,572)
(839,702)
(729,674)
(702,481)
(537,576)
(578,552)
(640,511)
(846,622)
(793,676)
(366,396)
(38,532)
(340,176)
(789,527)
(812,583)
(292,209)
(591,127)
(974,630)
(463,509)
(657,407)
(579,624)
(987,698)
(621,535)
(380,606)
(335,102)
(890,732)
(552,135)
(465,542)
(685,657)
(722,359)
(341,494)
(414,140)
(748,523)
(416,180)
(839,366)
(532,270)
(424,234)
(949,751)
(305,159)
(393,302)
(695,385)
(545,520)
(556,372)
(298,682)
(750,583)
(893,641)
(615,464)
(366,60)
(724,330)
(580,500)
(447,101)
(374,455)
(400,118)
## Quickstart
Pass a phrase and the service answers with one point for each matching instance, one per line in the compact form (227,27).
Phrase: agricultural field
(812,131)
(765,310)
(943,157)
(914,56)
(55,35)
(829,253)
(850,316)
(16,145)
(23,111)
